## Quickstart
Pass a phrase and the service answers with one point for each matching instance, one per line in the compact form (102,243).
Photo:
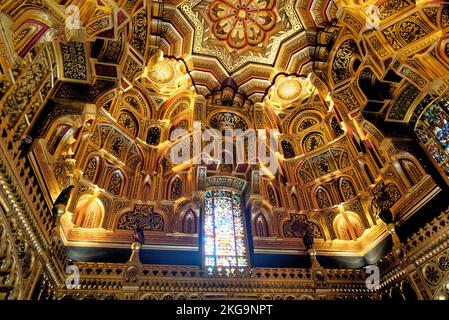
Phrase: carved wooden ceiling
(109,95)
(249,41)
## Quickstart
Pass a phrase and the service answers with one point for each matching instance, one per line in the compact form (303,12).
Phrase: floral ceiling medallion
(164,75)
(239,32)
(242,22)
(288,90)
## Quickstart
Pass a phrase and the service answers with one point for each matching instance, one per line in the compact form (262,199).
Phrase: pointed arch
(411,171)
(348,226)
(128,121)
(89,212)
(305,117)
(116,182)
(190,222)
(346,189)
(29,32)
(175,189)
(261,226)
(134,156)
(322,197)
(295,202)
(146,191)
(92,169)
(138,101)
(272,196)
(172,105)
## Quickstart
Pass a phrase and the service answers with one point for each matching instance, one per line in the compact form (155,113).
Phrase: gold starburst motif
(242,22)
(240,32)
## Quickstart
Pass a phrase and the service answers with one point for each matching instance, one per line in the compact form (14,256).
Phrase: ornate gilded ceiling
(242,24)
(250,41)
(113,95)
(240,32)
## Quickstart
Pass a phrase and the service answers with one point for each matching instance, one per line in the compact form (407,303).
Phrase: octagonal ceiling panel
(238,32)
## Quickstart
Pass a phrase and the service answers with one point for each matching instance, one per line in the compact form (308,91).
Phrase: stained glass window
(433,130)
(224,233)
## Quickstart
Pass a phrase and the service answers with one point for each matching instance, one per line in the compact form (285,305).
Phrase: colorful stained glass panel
(224,232)
(433,131)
